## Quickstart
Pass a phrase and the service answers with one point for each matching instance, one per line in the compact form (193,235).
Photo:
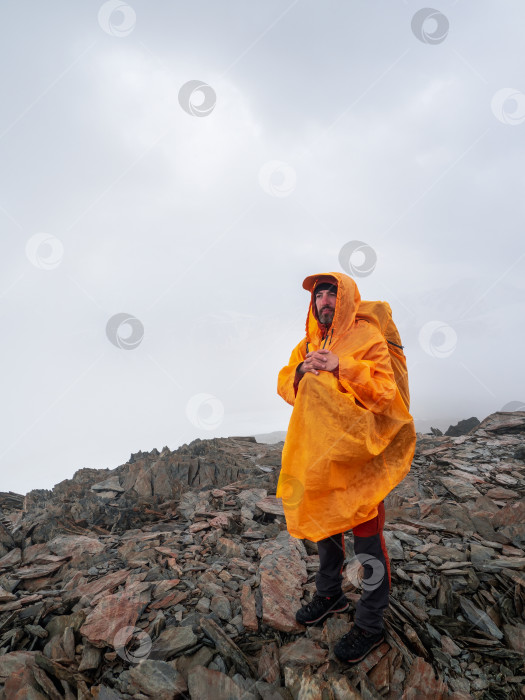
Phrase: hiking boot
(356,644)
(321,607)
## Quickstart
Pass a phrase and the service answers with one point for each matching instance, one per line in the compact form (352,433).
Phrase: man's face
(325,304)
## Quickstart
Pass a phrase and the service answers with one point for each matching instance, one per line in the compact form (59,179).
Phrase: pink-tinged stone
(511,514)
(75,545)
(5,596)
(501,492)
(21,685)
(25,600)
(157,679)
(271,505)
(143,483)
(302,652)
(171,599)
(38,570)
(515,635)
(197,527)
(12,558)
(449,646)
(382,673)
(422,684)
(222,521)
(112,613)
(15,660)
(218,493)
(283,574)
(509,551)
(342,688)
(268,669)
(167,551)
(249,617)
(241,564)
(106,583)
(164,586)
(374,657)
(33,553)
(229,548)
(207,684)
(162,486)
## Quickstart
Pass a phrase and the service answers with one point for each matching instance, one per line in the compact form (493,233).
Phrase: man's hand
(319,360)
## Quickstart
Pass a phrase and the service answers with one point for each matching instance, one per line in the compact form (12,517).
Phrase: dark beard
(326,317)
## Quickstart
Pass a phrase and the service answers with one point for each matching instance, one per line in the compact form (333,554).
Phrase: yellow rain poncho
(351,438)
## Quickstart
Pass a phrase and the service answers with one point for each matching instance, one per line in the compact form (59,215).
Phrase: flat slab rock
(302,652)
(271,505)
(171,641)
(461,489)
(283,574)
(110,616)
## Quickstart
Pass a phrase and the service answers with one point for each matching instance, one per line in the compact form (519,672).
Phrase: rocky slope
(173,576)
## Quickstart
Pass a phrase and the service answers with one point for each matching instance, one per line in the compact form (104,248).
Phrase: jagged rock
(463,427)
(72,556)
(249,616)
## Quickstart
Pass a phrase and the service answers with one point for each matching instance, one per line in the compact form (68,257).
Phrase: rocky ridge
(173,576)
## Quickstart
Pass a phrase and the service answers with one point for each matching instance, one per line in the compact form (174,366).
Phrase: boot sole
(360,658)
(328,612)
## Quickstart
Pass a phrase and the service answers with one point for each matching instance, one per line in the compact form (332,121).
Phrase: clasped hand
(319,360)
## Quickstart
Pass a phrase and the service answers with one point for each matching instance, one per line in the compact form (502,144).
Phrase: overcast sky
(185,165)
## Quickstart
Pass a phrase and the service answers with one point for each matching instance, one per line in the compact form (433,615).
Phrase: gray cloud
(381,138)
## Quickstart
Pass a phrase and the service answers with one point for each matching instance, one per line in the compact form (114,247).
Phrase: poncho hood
(346,306)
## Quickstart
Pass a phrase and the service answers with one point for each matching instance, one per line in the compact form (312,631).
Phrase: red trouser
(370,550)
